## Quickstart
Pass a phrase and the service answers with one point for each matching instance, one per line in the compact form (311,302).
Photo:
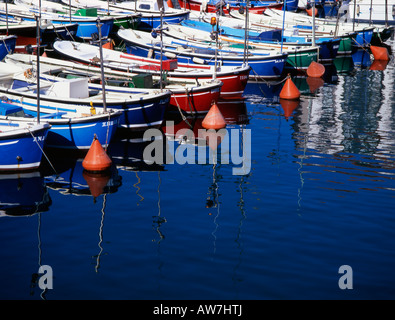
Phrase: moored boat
(234,78)
(21,142)
(265,65)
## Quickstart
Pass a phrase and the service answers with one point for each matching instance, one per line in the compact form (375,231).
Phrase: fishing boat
(265,65)
(128,20)
(21,142)
(149,10)
(7,45)
(74,96)
(214,6)
(86,25)
(189,97)
(379,12)
(297,47)
(73,125)
(234,78)
(359,37)
(25,31)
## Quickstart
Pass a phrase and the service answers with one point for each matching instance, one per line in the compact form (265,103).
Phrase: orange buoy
(310,11)
(214,119)
(109,45)
(96,159)
(379,53)
(289,106)
(289,90)
(44,54)
(379,65)
(96,182)
(213,138)
(315,70)
(314,83)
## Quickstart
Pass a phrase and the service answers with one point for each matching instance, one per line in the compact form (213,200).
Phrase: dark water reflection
(320,194)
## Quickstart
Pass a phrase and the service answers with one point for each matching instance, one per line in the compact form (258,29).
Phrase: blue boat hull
(149,22)
(7,45)
(23,151)
(261,66)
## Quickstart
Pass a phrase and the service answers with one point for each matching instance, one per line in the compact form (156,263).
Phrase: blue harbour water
(320,194)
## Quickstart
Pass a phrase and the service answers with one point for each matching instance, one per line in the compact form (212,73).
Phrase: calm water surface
(320,194)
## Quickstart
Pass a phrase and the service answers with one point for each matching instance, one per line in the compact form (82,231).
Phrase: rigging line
(138,188)
(101,234)
(49,161)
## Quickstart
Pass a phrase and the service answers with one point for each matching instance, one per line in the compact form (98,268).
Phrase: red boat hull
(234,82)
(195,100)
(197,6)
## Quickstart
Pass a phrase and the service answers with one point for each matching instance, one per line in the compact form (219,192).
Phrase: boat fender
(170,55)
(199,60)
(150,53)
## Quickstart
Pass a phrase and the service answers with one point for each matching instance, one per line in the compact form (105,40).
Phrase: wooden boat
(149,10)
(212,6)
(265,65)
(381,12)
(348,45)
(86,25)
(189,97)
(138,112)
(234,78)
(129,20)
(26,33)
(293,45)
(21,142)
(323,26)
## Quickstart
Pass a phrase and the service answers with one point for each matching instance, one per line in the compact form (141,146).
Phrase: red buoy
(310,11)
(289,90)
(96,159)
(314,83)
(96,182)
(379,53)
(289,106)
(315,70)
(379,65)
(214,119)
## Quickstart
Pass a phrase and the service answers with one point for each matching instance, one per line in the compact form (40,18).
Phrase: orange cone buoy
(289,90)
(289,106)
(214,119)
(96,182)
(314,83)
(213,138)
(379,53)
(315,70)
(96,159)
(44,54)
(379,65)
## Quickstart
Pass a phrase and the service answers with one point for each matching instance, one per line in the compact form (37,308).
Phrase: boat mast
(370,14)
(386,13)
(245,60)
(161,49)
(282,31)
(313,14)
(6,14)
(38,18)
(353,19)
(101,66)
